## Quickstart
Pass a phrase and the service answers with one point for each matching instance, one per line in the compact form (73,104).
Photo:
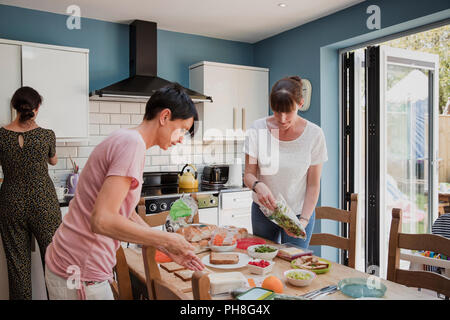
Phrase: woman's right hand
(182,252)
(265,196)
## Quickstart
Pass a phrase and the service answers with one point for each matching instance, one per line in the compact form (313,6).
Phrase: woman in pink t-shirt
(80,259)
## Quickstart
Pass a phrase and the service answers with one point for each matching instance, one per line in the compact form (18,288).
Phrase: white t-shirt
(283,165)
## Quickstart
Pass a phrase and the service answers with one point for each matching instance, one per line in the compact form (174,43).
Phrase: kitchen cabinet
(240,96)
(10,71)
(208,216)
(235,209)
(59,74)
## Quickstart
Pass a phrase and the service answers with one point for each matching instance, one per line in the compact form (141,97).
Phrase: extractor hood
(143,80)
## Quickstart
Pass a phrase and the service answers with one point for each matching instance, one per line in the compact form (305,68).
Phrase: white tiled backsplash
(105,117)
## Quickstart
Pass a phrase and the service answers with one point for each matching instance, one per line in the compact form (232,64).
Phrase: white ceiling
(238,20)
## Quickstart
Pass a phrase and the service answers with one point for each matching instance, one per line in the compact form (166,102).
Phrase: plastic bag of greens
(285,218)
(181,213)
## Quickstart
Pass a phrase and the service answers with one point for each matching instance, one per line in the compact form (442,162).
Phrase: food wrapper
(224,236)
(285,218)
(181,213)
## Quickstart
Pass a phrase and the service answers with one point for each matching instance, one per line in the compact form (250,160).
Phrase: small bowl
(258,270)
(298,282)
(262,255)
(223,248)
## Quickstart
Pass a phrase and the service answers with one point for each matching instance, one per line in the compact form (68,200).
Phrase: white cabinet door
(222,84)
(61,77)
(10,75)
(239,93)
(208,216)
(253,96)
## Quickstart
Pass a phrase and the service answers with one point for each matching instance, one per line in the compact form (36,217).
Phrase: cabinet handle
(234,118)
(243,119)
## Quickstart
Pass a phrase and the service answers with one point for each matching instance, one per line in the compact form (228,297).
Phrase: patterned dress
(28,202)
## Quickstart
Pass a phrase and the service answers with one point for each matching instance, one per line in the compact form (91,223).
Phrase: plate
(243,261)
(361,288)
(320,271)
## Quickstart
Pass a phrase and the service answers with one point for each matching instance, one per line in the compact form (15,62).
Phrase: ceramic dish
(222,248)
(361,288)
(262,255)
(243,261)
(318,271)
(300,282)
(259,270)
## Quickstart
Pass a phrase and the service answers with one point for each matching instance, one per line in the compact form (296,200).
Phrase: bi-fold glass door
(389,144)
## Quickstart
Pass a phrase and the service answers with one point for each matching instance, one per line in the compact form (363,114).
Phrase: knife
(311,294)
(322,294)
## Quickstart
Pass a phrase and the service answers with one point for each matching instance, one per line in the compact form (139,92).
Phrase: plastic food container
(289,251)
(259,270)
(222,248)
(262,255)
(226,281)
(300,282)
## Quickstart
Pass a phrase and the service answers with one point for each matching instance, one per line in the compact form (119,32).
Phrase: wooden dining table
(337,272)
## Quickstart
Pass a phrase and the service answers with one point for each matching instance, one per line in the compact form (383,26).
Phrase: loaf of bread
(196,233)
(223,258)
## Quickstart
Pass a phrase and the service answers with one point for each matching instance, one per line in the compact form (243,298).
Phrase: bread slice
(184,275)
(171,266)
(223,258)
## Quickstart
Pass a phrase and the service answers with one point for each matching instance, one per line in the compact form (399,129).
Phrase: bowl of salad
(299,278)
(262,251)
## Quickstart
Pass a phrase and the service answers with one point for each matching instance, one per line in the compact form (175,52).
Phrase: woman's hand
(182,252)
(265,196)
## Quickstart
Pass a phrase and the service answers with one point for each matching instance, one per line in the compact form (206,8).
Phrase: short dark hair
(25,100)
(286,93)
(174,98)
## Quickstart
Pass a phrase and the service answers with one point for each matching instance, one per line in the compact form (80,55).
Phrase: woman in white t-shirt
(284,155)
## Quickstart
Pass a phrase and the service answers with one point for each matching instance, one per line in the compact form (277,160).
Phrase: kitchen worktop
(199,191)
(177,192)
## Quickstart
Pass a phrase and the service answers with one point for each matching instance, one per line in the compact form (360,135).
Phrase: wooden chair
(159,289)
(349,217)
(121,286)
(427,242)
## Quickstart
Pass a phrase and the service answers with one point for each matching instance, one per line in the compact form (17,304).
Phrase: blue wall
(109,45)
(311,51)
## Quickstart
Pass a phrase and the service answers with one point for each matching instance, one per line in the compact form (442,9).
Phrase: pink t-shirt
(74,244)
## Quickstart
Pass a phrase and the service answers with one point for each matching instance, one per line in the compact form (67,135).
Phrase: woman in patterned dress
(28,200)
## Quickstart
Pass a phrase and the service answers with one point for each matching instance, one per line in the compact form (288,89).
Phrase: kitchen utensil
(243,261)
(314,293)
(322,294)
(222,248)
(215,174)
(235,175)
(361,287)
(319,271)
(262,255)
(188,180)
(300,282)
(260,270)
(72,181)
(61,192)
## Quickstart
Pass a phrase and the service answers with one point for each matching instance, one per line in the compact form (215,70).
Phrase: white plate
(243,261)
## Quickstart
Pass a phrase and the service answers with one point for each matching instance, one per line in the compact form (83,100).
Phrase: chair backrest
(349,217)
(427,242)
(158,289)
(121,287)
